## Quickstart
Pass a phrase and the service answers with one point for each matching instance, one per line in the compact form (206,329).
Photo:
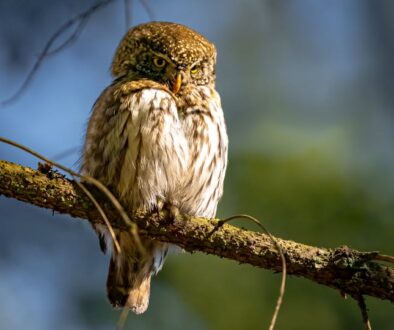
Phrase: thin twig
(65,153)
(148,9)
(81,18)
(128,13)
(364,312)
(74,175)
(384,257)
(279,248)
(102,213)
(133,227)
(81,21)
(71,39)
(122,318)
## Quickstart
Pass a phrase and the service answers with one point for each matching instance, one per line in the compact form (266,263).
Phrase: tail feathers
(138,298)
(128,284)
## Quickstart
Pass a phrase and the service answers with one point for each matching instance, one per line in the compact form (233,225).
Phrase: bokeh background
(307,89)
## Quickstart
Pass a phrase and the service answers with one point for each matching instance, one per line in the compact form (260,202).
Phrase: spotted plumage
(157,136)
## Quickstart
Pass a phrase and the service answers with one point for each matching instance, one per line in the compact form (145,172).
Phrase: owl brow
(197,63)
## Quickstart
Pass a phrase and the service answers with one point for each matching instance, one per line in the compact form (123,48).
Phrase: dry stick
(102,213)
(279,248)
(98,184)
(363,308)
(122,318)
(384,257)
(82,18)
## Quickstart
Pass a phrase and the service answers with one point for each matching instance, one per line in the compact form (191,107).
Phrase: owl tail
(128,282)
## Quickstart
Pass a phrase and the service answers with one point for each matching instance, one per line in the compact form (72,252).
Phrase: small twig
(103,215)
(384,257)
(74,175)
(65,153)
(148,9)
(279,248)
(82,19)
(71,39)
(364,312)
(133,227)
(128,13)
(122,318)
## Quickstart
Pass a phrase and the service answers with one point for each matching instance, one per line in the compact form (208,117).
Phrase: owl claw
(170,210)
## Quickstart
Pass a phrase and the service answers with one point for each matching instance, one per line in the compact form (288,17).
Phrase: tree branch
(350,271)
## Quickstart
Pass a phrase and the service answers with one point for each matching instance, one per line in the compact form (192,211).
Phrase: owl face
(168,53)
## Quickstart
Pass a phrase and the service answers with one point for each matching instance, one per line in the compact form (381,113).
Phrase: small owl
(156,137)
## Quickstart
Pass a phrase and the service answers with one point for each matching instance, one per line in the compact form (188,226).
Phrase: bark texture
(350,271)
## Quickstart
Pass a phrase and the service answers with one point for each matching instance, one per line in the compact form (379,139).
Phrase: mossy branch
(350,271)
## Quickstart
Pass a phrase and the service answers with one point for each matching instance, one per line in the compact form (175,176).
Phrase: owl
(156,137)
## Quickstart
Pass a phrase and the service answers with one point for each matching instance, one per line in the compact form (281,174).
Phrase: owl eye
(159,62)
(194,69)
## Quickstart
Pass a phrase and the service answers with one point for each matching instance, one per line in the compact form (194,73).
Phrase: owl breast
(136,145)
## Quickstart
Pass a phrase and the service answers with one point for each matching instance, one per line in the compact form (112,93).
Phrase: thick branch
(348,270)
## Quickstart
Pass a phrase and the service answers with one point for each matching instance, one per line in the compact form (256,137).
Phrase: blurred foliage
(311,199)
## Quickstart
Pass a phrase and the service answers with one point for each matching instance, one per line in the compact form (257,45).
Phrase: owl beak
(176,86)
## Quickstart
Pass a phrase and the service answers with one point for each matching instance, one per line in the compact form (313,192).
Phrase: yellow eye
(194,70)
(159,62)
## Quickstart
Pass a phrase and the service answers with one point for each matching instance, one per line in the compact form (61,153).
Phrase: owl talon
(171,210)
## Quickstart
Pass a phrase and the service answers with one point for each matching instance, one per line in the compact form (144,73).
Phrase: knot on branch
(344,257)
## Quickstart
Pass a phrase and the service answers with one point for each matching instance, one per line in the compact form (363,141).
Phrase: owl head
(168,53)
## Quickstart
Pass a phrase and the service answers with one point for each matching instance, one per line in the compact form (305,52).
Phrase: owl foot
(170,211)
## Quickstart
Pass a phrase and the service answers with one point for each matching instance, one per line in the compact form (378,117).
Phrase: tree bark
(350,271)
